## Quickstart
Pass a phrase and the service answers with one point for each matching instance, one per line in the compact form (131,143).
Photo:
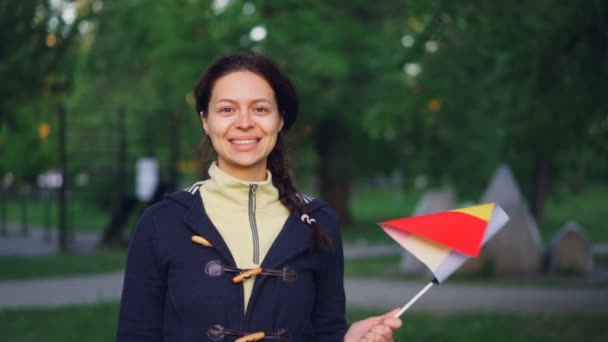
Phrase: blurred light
(219,6)
(248,8)
(44,130)
(8,180)
(97,6)
(51,40)
(431,46)
(82,179)
(412,69)
(69,15)
(51,179)
(257,33)
(85,27)
(415,24)
(407,40)
(434,105)
(53,23)
(190,98)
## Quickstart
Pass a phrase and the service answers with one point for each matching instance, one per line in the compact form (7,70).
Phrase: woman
(242,256)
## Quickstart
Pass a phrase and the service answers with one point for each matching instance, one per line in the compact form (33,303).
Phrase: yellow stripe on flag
(483,211)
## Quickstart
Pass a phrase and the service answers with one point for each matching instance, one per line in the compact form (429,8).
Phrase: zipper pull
(254,189)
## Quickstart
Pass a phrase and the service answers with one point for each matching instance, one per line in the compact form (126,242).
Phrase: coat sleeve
(144,287)
(329,310)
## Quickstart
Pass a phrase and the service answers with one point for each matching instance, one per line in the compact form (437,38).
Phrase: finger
(383,330)
(372,336)
(392,322)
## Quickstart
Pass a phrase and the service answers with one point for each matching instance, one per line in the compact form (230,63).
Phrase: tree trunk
(540,186)
(334,170)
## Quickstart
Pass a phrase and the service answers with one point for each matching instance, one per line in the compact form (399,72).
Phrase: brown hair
(287,100)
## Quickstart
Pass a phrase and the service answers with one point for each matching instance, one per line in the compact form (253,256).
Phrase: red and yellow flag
(444,241)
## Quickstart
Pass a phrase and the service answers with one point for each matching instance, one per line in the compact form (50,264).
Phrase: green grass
(41,213)
(95,323)
(26,267)
(370,206)
(98,323)
(496,327)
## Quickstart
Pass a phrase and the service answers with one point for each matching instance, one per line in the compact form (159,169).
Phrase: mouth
(247,141)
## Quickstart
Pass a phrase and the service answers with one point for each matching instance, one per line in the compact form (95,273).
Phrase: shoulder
(322,211)
(174,203)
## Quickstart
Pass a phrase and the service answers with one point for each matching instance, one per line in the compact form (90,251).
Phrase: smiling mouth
(244,141)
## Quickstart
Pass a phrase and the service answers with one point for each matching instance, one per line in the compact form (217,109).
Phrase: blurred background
(407,107)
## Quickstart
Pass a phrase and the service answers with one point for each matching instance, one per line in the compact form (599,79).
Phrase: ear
(204,121)
(281,124)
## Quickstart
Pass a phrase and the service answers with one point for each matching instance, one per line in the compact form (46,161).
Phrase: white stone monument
(517,247)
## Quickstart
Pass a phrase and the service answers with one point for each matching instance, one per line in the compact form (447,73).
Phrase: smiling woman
(243,122)
(241,256)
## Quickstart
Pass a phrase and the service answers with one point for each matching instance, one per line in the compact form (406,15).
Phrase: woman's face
(243,123)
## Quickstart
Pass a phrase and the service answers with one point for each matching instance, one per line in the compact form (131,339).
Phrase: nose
(244,120)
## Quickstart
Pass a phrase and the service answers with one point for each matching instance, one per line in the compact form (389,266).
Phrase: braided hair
(288,103)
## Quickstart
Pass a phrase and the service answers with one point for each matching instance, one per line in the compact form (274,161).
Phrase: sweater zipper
(254,228)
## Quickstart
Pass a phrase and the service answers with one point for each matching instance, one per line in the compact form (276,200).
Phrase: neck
(256,173)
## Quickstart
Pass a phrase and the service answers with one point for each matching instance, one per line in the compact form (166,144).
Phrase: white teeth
(244,142)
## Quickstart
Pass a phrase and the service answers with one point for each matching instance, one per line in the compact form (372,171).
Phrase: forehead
(242,85)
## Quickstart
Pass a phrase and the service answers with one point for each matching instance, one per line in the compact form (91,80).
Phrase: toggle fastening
(218,332)
(201,241)
(216,268)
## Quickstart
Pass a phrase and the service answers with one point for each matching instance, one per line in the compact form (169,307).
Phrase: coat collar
(293,239)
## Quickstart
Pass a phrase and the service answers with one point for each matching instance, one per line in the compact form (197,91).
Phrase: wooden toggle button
(201,241)
(246,275)
(252,337)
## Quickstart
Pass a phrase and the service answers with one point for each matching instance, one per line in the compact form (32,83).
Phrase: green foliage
(498,82)
(38,45)
(514,83)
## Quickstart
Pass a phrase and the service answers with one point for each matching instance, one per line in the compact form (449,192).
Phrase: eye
(260,110)
(226,110)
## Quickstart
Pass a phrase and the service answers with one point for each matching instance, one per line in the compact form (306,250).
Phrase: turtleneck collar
(236,191)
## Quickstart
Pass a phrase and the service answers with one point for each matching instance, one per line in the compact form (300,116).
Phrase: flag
(445,241)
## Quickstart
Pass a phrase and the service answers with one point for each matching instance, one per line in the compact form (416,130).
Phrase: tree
(38,41)
(503,82)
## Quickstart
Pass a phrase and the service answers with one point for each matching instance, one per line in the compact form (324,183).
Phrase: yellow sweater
(248,215)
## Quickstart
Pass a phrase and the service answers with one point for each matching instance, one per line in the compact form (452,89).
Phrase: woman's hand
(377,328)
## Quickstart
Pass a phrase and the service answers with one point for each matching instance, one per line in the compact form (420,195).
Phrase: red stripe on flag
(456,230)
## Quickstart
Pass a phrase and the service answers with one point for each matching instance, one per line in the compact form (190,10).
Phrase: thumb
(379,319)
(391,314)
(389,319)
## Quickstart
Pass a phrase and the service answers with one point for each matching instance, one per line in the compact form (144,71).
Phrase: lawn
(98,323)
(24,267)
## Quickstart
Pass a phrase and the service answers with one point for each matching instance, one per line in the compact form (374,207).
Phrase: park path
(369,293)
(361,293)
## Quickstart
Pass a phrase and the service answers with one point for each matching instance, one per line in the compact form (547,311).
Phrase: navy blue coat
(169,296)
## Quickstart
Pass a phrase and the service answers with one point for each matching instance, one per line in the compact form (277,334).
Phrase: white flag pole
(413,300)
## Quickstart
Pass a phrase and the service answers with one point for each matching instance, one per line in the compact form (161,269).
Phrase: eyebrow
(252,101)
